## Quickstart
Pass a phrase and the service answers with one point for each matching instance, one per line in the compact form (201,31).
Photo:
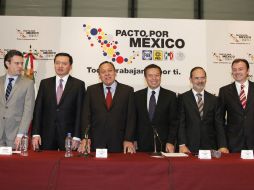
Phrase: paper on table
(174,154)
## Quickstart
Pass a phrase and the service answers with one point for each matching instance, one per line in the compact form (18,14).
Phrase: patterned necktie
(108,98)
(9,88)
(59,91)
(200,104)
(152,105)
(243,98)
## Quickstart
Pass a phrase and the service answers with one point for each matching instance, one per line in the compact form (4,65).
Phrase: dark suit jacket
(239,125)
(165,120)
(51,121)
(109,128)
(198,134)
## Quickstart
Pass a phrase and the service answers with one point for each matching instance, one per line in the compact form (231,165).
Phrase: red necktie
(243,98)
(108,98)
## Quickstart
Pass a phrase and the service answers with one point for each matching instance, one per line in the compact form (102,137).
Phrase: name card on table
(204,154)
(247,154)
(5,150)
(101,153)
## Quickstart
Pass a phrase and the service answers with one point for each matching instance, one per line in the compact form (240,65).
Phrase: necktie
(59,91)
(200,105)
(9,88)
(108,98)
(152,105)
(243,98)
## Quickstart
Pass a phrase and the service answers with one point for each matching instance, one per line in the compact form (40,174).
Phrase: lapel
(235,95)
(14,88)
(206,103)
(2,91)
(67,88)
(51,88)
(193,102)
(102,95)
(143,102)
(250,95)
(116,95)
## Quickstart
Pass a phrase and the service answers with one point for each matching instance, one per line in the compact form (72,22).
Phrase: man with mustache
(109,113)
(200,121)
(237,103)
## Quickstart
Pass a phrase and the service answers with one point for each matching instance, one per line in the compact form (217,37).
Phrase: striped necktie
(9,88)
(200,104)
(243,98)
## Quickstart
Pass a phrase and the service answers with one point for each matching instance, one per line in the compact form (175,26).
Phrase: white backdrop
(132,44)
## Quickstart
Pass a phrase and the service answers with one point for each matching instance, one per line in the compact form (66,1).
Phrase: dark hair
(152,66)
(196,68)
(241,60)
(66,55)
(106,62)
(11,54)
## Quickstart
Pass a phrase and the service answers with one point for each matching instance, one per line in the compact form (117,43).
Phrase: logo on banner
(223,58)
(240,38)
(147,55)
(157,55)
(109,46)
(27,34)
(168,56)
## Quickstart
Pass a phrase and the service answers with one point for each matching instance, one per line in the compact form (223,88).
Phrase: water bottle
(68,145)
(24,145)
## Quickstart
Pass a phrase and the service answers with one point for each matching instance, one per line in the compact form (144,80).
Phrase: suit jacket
(239,123)
(195,133)
(109,128)
(15,113)
(164,120)
(51,121)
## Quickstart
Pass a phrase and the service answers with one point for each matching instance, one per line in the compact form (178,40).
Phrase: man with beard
(200,121)
(237,103)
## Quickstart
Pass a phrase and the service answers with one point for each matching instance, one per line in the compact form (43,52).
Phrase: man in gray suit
(16,101)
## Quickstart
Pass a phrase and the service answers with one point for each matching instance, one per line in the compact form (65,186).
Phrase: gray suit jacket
(15,113)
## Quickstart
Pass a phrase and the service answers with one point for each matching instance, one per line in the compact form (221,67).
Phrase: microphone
(156,135)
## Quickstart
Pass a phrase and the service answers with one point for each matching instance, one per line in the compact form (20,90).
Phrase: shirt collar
(246,84)
(65,78)
(113,86)
(157,90)
(195,92)
(9,76)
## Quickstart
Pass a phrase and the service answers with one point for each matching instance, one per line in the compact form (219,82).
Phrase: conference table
(51,170)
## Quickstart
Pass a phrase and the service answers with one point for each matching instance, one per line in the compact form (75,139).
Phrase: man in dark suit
(16,101)
(109,113)
(58,107)
(159,119)
(237,102)
(200,122)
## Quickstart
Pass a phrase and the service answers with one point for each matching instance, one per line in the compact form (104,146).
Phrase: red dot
(99,37)
(114,47)
(119,59)
(108,45)
(99,30)
(114,55)
(91,45)
(102,43)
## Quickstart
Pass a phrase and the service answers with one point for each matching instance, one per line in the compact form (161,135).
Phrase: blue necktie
(8,89)
(152,105)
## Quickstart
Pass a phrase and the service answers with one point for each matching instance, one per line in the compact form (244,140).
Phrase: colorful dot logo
(108,44)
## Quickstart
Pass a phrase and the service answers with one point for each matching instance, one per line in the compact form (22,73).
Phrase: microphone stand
(156,135)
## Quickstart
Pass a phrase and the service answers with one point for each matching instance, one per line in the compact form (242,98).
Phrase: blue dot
(84,25)
(117,53)
(105,41)
(105,54)
(94,31)
(113,59)
(126,59)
